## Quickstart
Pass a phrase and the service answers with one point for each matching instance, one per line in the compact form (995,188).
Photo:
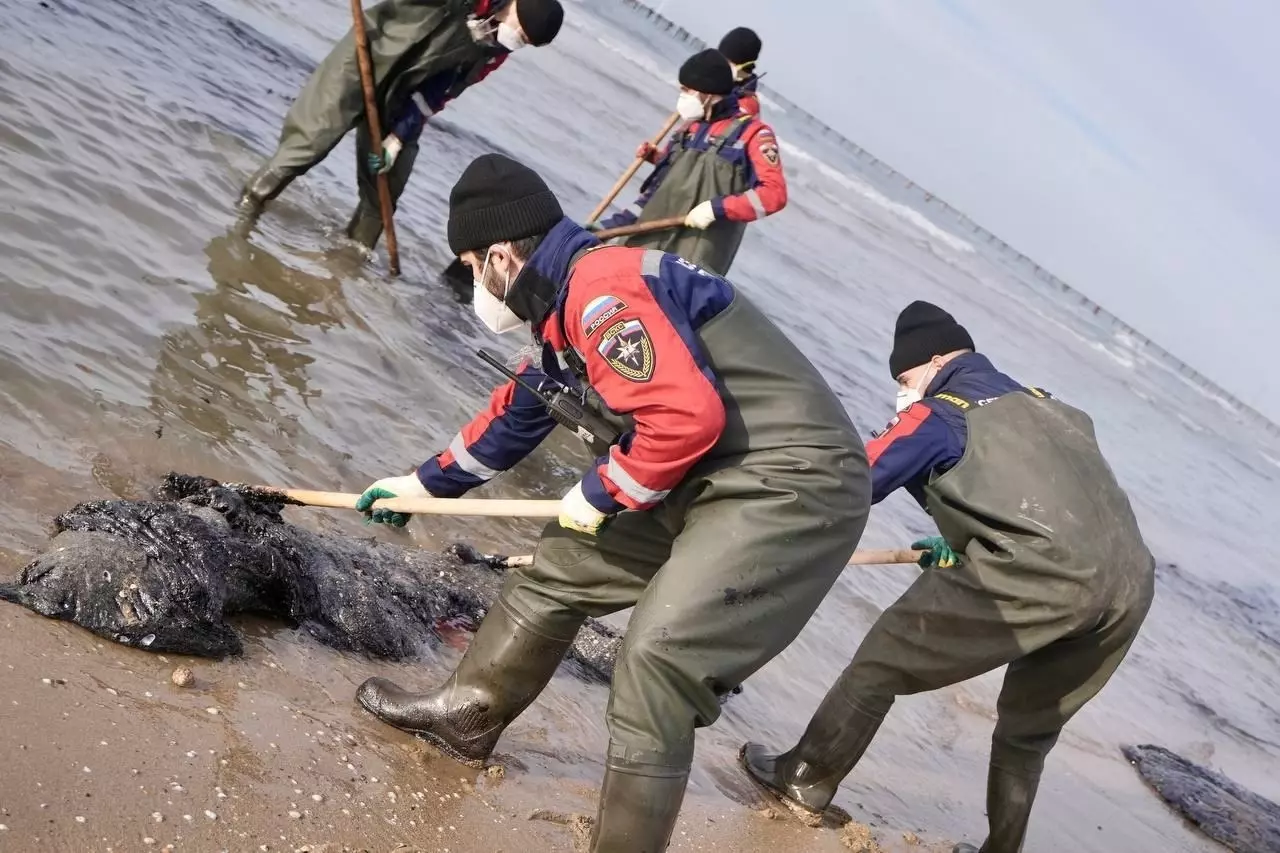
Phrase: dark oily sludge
(165,575)
(1224,811)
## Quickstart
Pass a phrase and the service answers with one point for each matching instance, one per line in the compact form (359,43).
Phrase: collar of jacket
(725,108)
(534,292)
(971,362)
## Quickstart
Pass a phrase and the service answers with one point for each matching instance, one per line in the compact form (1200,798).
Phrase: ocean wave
(907,214)
(661,72)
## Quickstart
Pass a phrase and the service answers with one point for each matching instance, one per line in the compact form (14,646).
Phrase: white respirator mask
(491,310)
(509,36)
(908,397)
(690,106)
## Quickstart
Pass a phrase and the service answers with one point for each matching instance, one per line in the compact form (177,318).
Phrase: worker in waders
(723,513)
(721,171)
(1040,565)
(741,46)
(424,54)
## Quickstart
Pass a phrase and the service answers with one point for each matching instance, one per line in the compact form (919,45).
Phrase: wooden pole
(640,228)
(375,133)
(508,508)
(421,506)
(886,557)
(631,170)
(459,276)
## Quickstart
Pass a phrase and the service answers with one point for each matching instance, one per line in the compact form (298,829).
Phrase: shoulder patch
(628,349)
(769,151)
(599,311)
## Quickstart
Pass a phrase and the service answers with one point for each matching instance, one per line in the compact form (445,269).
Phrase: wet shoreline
(140,336)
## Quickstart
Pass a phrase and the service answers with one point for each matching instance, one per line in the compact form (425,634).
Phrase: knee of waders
(658,699)
(872,687)
(1021,754)
(545,610)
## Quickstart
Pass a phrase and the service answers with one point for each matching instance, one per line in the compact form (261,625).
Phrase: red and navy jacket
(751,144)
(627,320)
(430,98)
(929,437)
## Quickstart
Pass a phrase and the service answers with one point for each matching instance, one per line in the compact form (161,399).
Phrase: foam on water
(907,214)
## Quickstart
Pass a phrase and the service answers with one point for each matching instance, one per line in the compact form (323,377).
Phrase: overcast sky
(1132,147)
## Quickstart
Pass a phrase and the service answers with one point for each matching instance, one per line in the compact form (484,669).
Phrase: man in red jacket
(723,513)
(721,172)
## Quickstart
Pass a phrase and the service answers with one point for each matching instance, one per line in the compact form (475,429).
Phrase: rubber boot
(809,775)
(365,227)
(639,805)
(1010,796)
(264,185)
(506,666)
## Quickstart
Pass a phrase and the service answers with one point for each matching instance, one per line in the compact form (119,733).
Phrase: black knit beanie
(498,199)
(707,72)
(740,46)
(923,331)
(540,20)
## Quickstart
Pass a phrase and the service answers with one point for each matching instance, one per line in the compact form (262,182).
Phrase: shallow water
(139,334)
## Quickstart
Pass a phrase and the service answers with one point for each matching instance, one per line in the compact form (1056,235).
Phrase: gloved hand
(577,513)
(701,216)
(646,151)
(408,486)
(381,163)
(937,553)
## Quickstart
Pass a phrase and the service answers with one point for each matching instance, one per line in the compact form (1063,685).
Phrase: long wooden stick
(640,228)
(886,557)
(422,506)
(375,133)
(460,277)
(509,508)
(632,169)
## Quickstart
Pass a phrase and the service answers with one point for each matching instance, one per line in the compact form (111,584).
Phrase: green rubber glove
(380,164)
(408,486)
(937,553)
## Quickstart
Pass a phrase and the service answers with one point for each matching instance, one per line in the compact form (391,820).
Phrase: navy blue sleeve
(512,426)
(916,442)
(408,127)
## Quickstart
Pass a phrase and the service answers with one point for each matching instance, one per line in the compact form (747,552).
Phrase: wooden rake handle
(886,557)
(508,508)
(640,228)
(421,506)
(631,170)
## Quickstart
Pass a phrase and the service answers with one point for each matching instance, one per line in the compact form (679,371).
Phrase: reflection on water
(137,334)
(247,350)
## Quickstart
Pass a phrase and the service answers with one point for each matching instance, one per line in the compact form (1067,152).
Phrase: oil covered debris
(1224,811)
(165,575)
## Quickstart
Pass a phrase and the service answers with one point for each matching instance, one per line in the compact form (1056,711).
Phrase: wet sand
(138,336)
(270,752)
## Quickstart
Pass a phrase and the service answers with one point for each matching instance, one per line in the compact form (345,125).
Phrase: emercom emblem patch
(628,349)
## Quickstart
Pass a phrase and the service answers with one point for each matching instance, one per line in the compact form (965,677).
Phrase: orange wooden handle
(631,170)
(375,133)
